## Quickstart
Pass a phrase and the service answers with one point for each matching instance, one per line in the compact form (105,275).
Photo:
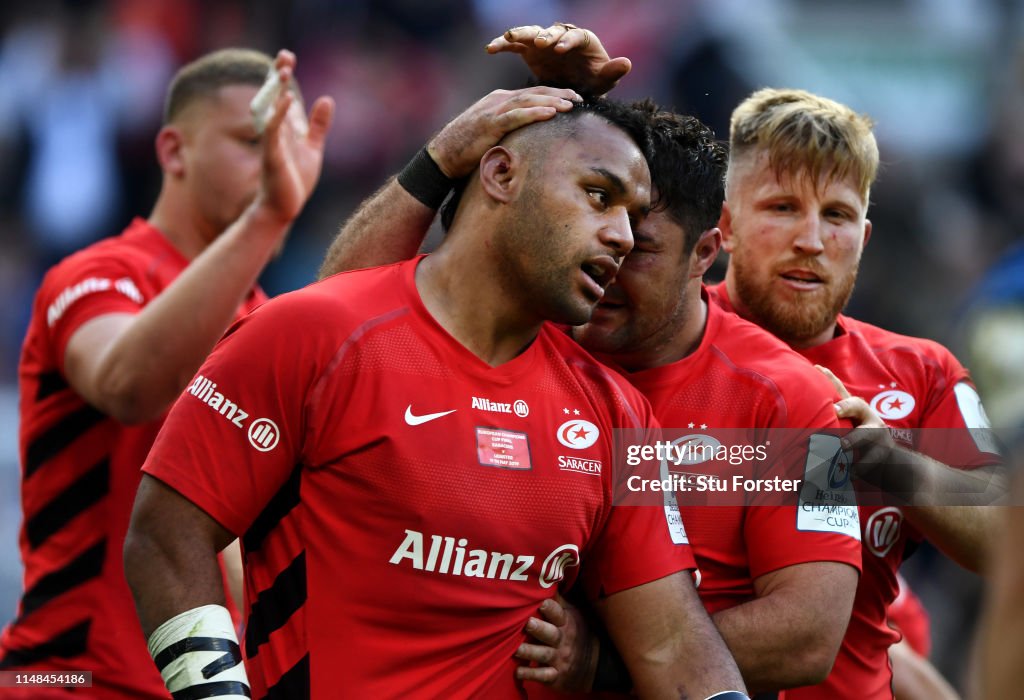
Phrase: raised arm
(391,224)
(132,366)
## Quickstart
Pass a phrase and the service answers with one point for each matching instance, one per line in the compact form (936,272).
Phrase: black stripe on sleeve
(68,644)
(275,605)
(282,503)
(86,491)
(85,567)
(50,383)
(293,684)
(48,445)
(212,690)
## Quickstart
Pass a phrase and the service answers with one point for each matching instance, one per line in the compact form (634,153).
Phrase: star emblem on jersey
(893,404)
(839,470)
(577,434)
(413,419)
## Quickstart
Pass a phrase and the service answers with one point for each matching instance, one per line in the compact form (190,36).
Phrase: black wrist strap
(611,674)
(728,695)
(424,180)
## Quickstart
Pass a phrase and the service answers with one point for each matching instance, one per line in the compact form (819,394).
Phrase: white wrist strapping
(198,650)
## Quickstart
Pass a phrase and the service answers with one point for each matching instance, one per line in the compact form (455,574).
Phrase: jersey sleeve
(640,541)
(775,539)
(818,520)
(954,428)
(82,289)
(238,431)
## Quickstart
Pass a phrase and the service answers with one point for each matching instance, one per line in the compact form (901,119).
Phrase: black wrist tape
(424,180)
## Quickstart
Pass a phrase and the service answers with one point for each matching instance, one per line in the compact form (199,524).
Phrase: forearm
(914,678)
(963,533)
(166,582)
(775,644)
(951,507)
(669,644)
(386,228)
(146,367)
(996,667)
(698,662)
(171,569)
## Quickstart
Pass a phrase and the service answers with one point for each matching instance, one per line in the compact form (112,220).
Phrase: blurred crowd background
(82,85)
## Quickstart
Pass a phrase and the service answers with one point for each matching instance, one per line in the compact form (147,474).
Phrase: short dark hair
(203,77)
(688,172)
(616,113)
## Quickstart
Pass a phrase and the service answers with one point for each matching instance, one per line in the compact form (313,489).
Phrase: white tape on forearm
(262,105)
(183,666)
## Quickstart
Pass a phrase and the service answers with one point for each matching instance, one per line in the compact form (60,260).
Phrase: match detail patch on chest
(505,449)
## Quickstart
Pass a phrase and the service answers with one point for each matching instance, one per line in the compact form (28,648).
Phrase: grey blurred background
(82,84)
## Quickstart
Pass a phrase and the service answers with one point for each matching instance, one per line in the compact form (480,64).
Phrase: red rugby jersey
(403,506)
(80,471)
(743,385)
(915,385)
(909,617)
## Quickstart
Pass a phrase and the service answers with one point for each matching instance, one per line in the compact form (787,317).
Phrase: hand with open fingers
(293,147)
(564,54)
(566,656)
(459,146)
(870,440)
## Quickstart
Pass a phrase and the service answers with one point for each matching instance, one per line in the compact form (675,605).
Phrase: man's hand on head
(459,146)
(564,55)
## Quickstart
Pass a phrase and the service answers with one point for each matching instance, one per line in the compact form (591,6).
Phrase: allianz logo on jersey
(69,295)
(263,433)
(451,556)
(883,530)
(520,407)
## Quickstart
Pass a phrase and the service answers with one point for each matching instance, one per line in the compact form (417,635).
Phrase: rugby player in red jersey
(946,397)
(794,220)
(397,446)
(795,223)
(117,331)
(779,582)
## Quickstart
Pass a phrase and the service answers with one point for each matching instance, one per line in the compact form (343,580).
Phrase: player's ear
(501,174)
(705,252)
(169,145)
(725,228)
(867,233)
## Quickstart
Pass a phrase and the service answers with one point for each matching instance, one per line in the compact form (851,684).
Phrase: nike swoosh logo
(425,418)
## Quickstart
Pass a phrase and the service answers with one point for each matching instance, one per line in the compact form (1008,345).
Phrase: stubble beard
(532,271)
(794,320)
